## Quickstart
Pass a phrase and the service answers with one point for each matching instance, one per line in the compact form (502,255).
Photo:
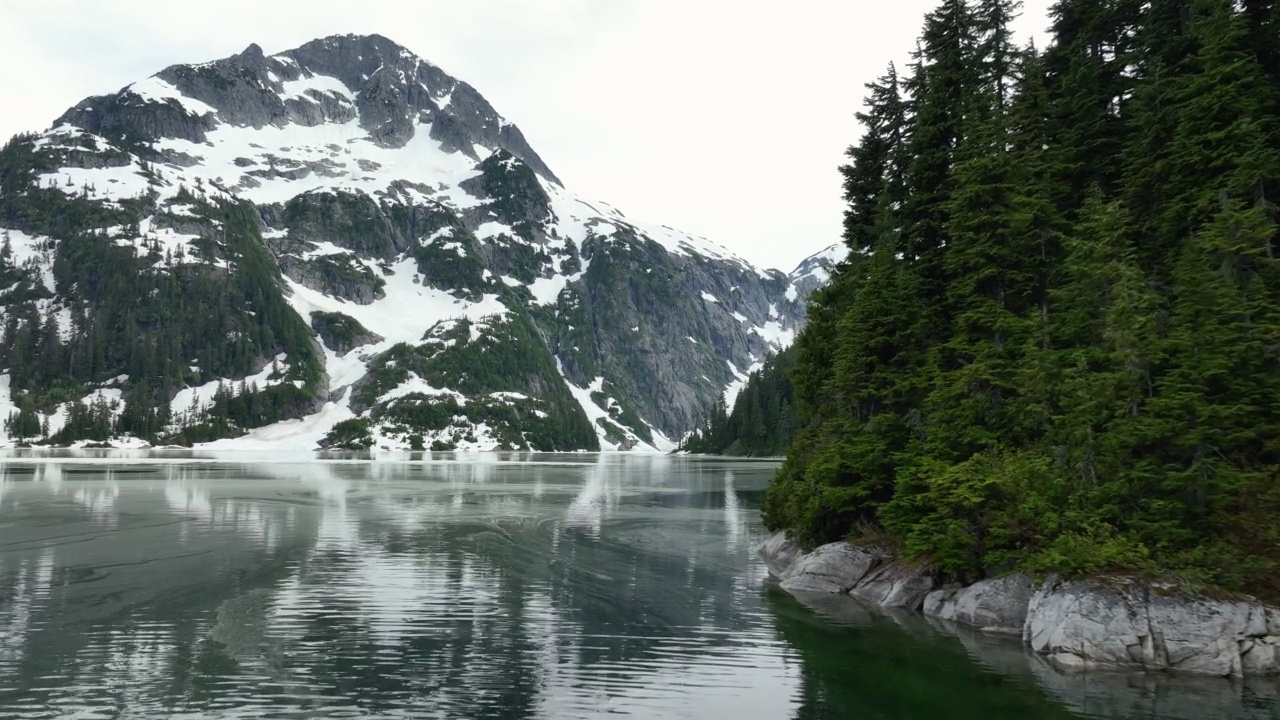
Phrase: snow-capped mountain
(815,271)
(342,245)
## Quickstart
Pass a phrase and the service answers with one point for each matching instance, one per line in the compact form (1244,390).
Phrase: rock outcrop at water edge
(1119,622)
(841,567)
(1111,623)
(996,605)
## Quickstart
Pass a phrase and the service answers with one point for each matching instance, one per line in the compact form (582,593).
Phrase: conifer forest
(1055,345)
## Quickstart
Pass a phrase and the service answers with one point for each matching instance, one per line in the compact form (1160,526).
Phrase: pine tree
(877,161)
(1202,127)
(994,260)
(1004,230)
(996,49)
(1215,409)
(879,365)
(1263,20)
(1061,350)
(25,424)
(947,68)
(1104,339)
(1089,89)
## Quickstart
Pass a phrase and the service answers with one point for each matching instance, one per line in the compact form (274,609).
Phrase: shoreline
(1096,623)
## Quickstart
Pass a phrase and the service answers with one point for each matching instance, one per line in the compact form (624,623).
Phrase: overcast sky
(724,118)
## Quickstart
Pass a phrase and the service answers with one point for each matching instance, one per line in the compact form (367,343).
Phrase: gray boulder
(895,586)
(779,553)
(1114,622)
(996,605)
(833,568)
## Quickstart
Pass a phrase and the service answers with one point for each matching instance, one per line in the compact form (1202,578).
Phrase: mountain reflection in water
(514,586)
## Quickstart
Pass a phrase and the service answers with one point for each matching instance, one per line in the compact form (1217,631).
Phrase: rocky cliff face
(411,272)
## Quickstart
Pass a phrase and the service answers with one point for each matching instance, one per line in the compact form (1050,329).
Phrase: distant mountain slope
(814,271)
(341,244)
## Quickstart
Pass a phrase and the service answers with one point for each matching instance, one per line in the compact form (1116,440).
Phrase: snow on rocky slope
(458,294)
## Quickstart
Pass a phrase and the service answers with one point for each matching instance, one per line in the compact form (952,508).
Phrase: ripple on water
(578,589)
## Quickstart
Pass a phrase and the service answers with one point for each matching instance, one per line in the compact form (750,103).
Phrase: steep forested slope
(1056,344)
(758,416)
(761,422)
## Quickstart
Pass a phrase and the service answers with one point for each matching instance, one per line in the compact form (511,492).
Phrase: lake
(182,585)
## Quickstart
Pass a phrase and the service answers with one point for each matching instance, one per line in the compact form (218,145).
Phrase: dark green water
(487,587)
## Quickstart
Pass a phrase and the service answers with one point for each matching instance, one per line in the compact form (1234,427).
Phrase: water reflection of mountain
(509,590)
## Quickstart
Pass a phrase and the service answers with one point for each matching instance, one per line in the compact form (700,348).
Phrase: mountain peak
(390,94)
(373,45)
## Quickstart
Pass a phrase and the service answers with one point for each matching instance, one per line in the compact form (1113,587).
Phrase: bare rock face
(1113,622)
(832,568)
(996,605)
(779,553)
(896,585)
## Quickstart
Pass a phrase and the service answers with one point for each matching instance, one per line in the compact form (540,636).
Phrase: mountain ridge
(391,204)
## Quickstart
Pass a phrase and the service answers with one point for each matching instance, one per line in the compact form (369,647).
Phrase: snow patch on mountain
(776,334)
(310,88)
(579,219)
(735,388)
(304,434)
(172,246)
(193,402)
(546,291)
(417,385)
(815,271)
(602,420)
(111,184)
(407,311)
(33,252)
(274,164)
(55,421)
(156,90)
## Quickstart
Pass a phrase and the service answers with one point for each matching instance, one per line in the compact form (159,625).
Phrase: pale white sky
(724,118)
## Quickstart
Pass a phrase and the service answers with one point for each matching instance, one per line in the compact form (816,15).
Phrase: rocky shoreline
(1106,622)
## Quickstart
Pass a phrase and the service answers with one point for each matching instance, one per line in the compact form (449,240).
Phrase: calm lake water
(512,586)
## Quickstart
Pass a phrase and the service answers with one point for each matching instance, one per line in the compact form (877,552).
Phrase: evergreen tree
(1089,89)
(1214,421)
(24,424)
(1263,21)
(947,68)
(1202,125)
(877,165)
(998,55)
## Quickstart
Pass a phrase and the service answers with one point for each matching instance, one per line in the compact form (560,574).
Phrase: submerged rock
(1114,622)
(996,605)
